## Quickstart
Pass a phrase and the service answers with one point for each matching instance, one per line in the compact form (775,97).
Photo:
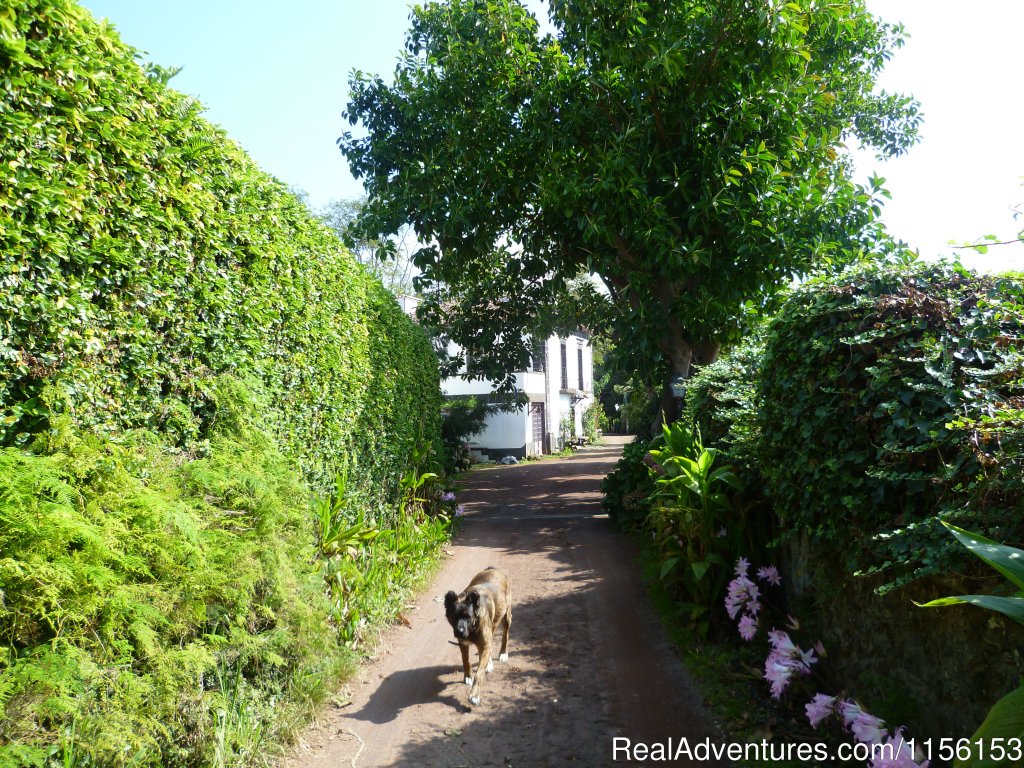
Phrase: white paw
(490,666)
(503,657)
(468,681)
(474,700)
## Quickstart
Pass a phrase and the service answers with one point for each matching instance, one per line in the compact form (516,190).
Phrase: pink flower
(741,591)
(865,727)
(807,658)
(868,729)
(742,566)
(460,511)
(748,627)
(770,574)
(785,660)
(896,754)
(782,642)
(777,671)
(819,708)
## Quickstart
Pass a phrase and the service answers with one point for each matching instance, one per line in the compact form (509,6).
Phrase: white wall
(513,430)
(506,431)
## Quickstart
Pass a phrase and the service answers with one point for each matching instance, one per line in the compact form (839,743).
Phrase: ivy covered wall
(872,406)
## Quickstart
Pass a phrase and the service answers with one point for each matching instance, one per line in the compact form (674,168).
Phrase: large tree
(395,273)
(691,153)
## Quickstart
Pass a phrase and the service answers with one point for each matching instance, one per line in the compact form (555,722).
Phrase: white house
(558,386)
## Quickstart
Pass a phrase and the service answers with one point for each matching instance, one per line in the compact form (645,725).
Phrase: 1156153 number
(949,749)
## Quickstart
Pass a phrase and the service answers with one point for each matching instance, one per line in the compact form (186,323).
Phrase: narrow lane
(588,659)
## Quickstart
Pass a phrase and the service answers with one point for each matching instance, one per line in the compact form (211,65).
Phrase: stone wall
(936,670)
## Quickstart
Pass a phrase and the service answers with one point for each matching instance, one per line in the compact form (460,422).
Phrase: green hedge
(885,399)
(721,401)
(189,356)
(142,254)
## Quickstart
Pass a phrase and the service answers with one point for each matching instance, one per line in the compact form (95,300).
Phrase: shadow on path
(589,661)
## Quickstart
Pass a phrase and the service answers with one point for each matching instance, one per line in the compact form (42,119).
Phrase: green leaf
(1003,725)
(667,566)
(1009,561)
(699,569)
(1013,607)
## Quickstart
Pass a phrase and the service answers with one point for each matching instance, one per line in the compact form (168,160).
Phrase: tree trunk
(680,357)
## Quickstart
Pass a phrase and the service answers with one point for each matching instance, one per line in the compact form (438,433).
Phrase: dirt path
(588,660)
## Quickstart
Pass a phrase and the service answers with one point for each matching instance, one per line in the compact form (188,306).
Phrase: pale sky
(275,74)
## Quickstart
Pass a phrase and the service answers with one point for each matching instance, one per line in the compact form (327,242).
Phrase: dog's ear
(475,598)
(449,602)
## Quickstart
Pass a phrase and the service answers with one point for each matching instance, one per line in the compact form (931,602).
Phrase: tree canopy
(691,154)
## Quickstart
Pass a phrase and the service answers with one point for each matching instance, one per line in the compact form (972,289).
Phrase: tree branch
(987,244)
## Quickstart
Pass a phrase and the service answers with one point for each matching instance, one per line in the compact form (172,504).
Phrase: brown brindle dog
(475,615)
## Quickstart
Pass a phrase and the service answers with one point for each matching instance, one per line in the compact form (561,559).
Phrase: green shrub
(889,398)
(463,418)
(698,529)
(627,489)
(721,403)
(137,579)
(166,609)
(594,421)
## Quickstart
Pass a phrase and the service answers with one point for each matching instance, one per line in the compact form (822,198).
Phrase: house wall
(568,401)
(510,434)
(506,434)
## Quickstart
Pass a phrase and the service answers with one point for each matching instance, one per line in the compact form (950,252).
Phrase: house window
(565,369)
(538,354)
(579,357)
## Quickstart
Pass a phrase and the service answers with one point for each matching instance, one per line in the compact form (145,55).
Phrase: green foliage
(396,274)
(697,528)
(137,580)
(638,410)
(566,431)
(1009,561)
(628,488)
(721,403)
(594,421)
(145,254)
(690,154)
(189,357)
(364,564)
(997,741)
(161,609)
(463,418)
(890,398)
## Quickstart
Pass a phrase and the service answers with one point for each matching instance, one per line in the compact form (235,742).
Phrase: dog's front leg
(466,670)
(483,666)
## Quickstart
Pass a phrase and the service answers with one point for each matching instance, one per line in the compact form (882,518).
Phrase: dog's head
(463,615)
